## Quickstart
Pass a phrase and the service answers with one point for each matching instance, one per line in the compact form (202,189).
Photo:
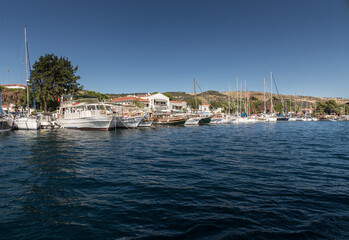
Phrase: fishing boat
(86,116)
(127,121)
(169,119)
(27,122)
(147,121)
(192,121)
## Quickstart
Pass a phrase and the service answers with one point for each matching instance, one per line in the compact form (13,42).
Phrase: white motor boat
(86,116)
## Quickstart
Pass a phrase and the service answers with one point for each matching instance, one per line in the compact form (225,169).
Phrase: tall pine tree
(52,77)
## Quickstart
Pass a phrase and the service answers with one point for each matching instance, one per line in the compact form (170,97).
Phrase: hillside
(214,96)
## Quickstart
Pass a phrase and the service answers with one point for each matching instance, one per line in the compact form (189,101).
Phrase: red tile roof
(126,99)
(14,85)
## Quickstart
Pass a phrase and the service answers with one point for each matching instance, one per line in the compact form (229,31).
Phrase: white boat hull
(146,123)
(98,122)
(192,121)
(27,124)
(129,122)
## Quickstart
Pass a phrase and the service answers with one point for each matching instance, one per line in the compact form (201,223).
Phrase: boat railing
(83,114)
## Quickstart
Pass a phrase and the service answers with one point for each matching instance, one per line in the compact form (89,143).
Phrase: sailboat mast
(196,102)
(229,98)
(237,95)
(271,92)
(241,98)
(26,66)
(245,98)
(265,103)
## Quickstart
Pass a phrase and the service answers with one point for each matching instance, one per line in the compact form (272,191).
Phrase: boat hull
(27,124)
(130,122)
(5,125)
(146,123)
(192,121)
(99,123)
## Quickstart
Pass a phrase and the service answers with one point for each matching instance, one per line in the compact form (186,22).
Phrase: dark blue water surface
(245,181)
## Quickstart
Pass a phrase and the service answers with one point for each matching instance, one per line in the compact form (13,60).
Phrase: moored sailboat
(27,122)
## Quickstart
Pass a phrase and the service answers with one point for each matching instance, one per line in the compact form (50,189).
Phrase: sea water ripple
(244,181)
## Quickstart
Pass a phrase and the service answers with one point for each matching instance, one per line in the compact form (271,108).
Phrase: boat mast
(265,103)
(237,95)
(271,92)
(295,104)
(241,98)
(26,66)
(228,98)
(196,102)
(245,99)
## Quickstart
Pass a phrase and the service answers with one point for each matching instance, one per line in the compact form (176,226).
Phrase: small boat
(146,123)
(192,121)
(27,123)
(130,122)
(47,121)
(6,124)
(170,120)
(198,121)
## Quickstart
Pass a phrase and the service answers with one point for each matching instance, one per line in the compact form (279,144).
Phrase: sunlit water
(246,181)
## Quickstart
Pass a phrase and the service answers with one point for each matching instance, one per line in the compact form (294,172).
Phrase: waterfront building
(178,106)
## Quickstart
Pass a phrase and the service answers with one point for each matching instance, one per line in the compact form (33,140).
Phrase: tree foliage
(51,78)
(328,107)
(93,94)
(191,102)
(169,96)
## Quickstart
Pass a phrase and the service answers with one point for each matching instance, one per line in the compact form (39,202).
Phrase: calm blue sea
(246,181)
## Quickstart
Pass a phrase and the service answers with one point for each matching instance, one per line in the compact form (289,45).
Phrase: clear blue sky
(161,45)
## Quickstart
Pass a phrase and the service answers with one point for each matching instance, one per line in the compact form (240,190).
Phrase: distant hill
(215,96)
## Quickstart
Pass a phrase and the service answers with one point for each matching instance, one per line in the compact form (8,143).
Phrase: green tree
(52,77)
(169,96)
(93,94)
(191,102)
(328,107)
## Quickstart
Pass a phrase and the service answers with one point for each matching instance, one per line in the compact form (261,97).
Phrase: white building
(204,108)
(178,106)
(158,102)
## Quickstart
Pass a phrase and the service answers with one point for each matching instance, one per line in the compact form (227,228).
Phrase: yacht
(86,116)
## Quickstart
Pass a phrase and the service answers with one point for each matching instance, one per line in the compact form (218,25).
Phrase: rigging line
(282,100)
(204,95)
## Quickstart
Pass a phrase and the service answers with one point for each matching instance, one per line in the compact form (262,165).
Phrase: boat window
(91,107)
